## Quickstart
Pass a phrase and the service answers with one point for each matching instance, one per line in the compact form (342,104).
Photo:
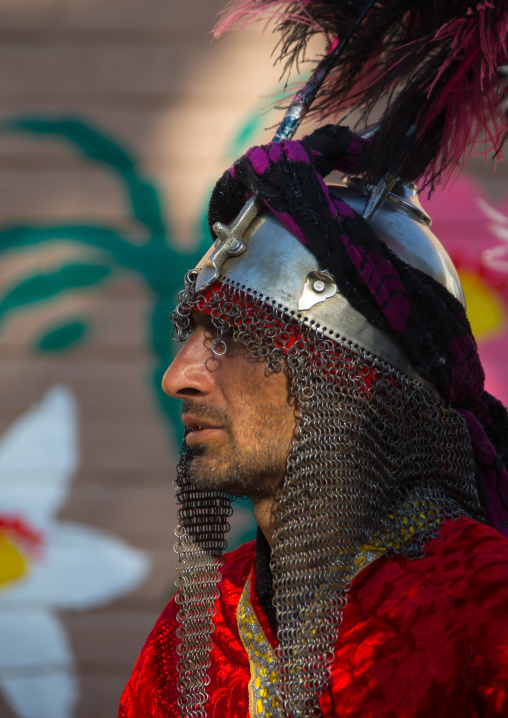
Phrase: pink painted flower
(474,231)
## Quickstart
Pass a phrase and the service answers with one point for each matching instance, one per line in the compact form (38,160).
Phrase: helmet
(258,253)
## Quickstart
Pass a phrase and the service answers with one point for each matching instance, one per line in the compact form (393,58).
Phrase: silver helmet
(257,253)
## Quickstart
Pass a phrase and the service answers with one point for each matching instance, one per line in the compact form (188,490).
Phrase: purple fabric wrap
(421,316)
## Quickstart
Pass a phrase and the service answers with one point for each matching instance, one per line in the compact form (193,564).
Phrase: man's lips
(200,430)
(197,424)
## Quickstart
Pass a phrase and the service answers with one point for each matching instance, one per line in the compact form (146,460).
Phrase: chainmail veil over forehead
(355,476)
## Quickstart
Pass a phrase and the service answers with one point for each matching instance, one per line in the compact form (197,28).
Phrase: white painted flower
(48,565)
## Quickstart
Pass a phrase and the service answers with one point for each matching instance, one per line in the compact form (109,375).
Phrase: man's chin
(214,478)
(207,474)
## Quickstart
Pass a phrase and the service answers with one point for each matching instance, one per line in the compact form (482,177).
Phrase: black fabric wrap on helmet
(423,318)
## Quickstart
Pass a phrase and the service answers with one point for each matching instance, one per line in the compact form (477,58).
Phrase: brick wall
(116,117)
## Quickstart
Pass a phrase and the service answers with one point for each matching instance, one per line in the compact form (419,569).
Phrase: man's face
(241,417)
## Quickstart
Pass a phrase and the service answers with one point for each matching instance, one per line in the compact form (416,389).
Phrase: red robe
(421,638)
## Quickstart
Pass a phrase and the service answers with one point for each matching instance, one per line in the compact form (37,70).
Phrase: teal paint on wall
(156,262)
(62,337)
(38,288)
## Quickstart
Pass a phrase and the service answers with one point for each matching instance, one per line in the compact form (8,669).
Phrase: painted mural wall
(116,117)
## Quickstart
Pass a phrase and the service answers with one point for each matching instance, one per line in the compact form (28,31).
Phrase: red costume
(426,637)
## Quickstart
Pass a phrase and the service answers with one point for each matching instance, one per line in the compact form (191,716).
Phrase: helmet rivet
(318,286)
(235,245)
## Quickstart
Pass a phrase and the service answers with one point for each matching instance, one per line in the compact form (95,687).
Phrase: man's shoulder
(462,528)
(470,561)
(415,630)
(462,566)
(466,545)
(461,546)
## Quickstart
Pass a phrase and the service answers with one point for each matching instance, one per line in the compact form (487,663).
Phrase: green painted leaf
(62,337)
(41,287)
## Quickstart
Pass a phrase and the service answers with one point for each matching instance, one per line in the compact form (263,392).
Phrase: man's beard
(252,466)
(239,473)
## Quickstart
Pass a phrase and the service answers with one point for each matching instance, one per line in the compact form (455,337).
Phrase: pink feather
(436,61)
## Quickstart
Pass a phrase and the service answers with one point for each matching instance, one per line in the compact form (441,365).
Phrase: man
(331,376)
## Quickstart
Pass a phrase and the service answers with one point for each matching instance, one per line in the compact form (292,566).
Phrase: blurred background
(116,118)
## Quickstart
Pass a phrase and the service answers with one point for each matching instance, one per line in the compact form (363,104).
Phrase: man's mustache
(199,410)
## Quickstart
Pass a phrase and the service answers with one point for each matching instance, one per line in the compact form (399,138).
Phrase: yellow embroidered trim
(263,692)
(425,516)
(263,698)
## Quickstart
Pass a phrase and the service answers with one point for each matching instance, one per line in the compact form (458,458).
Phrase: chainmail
(377,459)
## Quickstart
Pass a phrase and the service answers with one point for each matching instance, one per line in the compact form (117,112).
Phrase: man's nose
(191,371)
